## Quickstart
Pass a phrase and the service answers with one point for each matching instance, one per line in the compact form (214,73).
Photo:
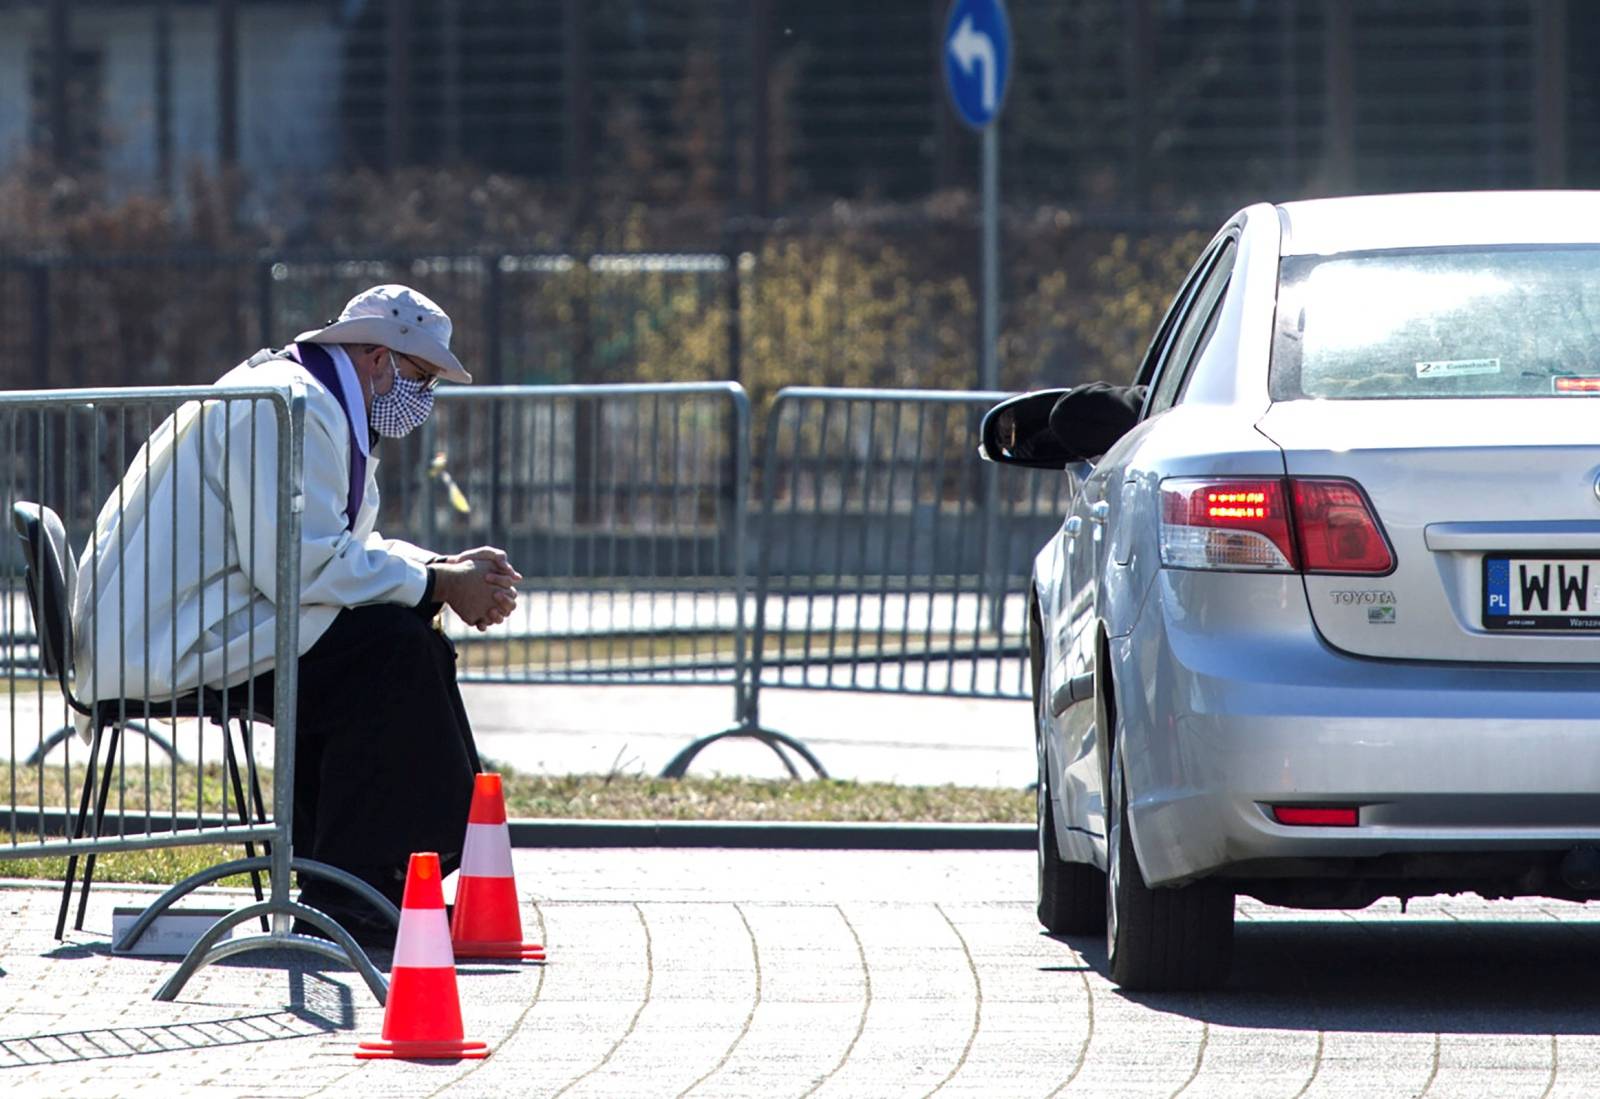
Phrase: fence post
(39,284)
(734,303)
(492,359)
(492,367)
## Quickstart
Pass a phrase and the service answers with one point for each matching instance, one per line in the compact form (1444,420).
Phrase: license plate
(1541,593)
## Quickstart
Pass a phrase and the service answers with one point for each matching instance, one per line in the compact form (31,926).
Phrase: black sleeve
(1089,419)
(427,591)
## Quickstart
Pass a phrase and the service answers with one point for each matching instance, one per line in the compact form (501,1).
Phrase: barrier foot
(343,948)
(678,766)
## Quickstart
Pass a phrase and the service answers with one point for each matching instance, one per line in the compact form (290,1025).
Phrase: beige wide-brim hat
(401,319)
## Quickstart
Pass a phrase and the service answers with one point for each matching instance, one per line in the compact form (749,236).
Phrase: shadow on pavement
(132,1041)
(1401,975)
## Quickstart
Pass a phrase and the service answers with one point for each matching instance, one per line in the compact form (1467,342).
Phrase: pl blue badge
(1497,582)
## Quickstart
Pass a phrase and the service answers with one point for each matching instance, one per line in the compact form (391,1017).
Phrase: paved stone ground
(872,974)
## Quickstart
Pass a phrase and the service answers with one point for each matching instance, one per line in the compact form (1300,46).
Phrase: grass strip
(585,797)
(161,866)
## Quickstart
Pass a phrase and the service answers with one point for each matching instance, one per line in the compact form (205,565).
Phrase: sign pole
(977,69)
(988,364)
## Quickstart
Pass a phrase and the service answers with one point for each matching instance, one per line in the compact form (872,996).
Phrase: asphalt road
(873,974)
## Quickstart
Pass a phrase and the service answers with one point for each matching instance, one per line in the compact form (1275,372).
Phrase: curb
(577,832)
(824,835)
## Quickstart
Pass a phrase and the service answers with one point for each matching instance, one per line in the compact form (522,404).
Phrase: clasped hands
(478,584)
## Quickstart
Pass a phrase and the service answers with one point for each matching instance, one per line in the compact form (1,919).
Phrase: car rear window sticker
(1456,368)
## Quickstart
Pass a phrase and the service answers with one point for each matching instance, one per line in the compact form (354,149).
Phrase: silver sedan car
(1323,623)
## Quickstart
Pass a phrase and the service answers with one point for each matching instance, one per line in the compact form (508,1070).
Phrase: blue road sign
(977,59)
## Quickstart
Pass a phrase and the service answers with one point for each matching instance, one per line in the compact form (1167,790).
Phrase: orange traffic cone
(487,922)
(422,1019)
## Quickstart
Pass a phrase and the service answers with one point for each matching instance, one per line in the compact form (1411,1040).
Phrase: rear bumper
(1244,707)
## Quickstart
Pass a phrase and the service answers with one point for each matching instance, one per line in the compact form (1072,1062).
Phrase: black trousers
(384,756)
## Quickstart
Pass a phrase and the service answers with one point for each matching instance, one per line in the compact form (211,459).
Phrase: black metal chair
(51,577)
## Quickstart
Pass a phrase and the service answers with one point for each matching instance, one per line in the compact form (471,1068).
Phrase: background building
(797,157)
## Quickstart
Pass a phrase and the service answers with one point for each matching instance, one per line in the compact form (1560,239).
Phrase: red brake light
(1315,815)
(1225,524)
(1335,529)
(1295,524)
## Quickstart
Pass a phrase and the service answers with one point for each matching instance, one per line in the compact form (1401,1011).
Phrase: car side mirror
(1017,432)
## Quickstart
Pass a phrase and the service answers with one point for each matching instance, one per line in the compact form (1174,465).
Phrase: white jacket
(202,525)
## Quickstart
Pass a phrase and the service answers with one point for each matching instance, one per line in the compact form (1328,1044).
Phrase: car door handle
(1074,524)
(1099,510)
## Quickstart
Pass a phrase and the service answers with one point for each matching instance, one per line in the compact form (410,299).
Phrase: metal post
(988,376)
(492,292)
(734,304)
(39,281)
(286,678)
(988,379)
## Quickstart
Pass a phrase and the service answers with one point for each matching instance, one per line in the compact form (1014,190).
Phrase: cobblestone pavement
(873,974)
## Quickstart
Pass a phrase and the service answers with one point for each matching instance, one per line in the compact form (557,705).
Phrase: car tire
(1072,895)
(1164,939)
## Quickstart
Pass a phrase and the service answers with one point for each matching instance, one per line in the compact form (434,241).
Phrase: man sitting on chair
(177,590)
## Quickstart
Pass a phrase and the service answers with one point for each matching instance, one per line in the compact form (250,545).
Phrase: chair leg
(77,831)
(231,764)
(99,817)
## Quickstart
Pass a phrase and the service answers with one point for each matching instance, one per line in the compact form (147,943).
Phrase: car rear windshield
(1481,322)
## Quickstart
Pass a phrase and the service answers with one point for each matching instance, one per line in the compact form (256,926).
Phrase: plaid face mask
(401,410)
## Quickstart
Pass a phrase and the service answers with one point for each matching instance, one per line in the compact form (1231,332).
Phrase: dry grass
(589,797)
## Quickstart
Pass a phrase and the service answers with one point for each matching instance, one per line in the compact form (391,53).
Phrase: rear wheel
(1072,895)
(1159,939)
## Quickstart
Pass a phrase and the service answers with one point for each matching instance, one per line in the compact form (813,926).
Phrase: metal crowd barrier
(890,558)
(67,450)
(622,505)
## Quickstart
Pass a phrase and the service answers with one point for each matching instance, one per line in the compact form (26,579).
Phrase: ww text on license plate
(1541,593)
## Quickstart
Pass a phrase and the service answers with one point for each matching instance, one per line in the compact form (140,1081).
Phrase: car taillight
(1336,529)
(1294,524)
(1225,524)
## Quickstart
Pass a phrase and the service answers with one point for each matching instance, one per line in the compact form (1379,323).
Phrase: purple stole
(319,364)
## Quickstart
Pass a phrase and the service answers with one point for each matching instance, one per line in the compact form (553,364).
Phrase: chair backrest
(52,575)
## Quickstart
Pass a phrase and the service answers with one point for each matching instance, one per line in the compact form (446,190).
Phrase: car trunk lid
(1484,501)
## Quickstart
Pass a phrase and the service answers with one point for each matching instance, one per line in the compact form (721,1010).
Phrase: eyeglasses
(429,379)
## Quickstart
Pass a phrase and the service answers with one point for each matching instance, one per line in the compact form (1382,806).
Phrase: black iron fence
(890,303)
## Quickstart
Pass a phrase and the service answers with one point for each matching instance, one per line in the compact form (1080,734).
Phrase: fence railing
(624,507)
(889,559)
(65,451)
(885,557)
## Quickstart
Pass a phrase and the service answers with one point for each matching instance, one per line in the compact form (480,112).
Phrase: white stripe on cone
(424,940)
(487,851)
